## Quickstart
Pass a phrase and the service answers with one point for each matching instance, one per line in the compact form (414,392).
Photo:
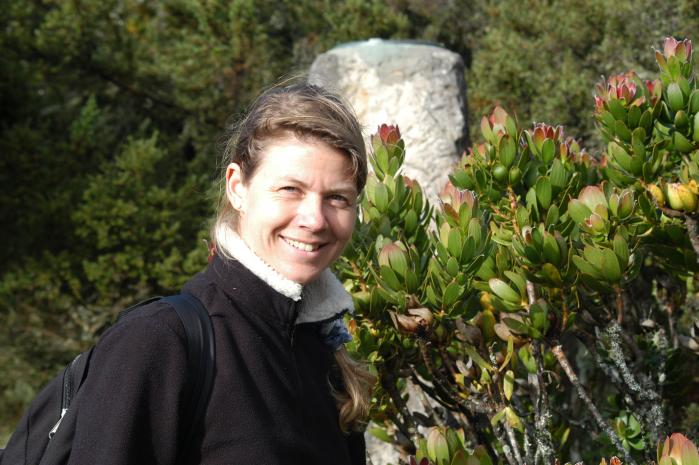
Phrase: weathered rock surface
(418,86)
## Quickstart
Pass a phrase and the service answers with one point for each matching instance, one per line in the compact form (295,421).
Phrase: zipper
(67,394)
(295,313)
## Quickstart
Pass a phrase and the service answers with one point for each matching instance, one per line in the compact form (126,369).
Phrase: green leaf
(508,383)
(585,267)
(638,143)
(610,266)
(646,120)
(543,192)
(474,230)
(634,116)
(538,313)
(452,267)
(621,249)
(381,157)
(508,151)
(527,360)
(548,150)
(486,130)
(390,278)
(452,293)
(518,281)
(410,222)
(578,211)
(498,417)
(477,359)
(622,131)
(513,419)
(551,273)
(675,99)
(694,101)
(460,458)
(552,215)
(504,291)
(431,296)
(681,143)
(522,216)
(515,325)
(558,174)
(621,156)
(380,433)
(454,243)
(381,197)
(551,252)
(617,110)
(437,447)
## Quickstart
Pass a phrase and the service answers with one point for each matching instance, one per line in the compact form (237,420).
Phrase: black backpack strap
(200,356)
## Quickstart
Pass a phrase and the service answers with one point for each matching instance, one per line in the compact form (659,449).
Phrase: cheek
(344,224)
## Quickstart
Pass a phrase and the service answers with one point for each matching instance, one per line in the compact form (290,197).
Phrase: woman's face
(298,209)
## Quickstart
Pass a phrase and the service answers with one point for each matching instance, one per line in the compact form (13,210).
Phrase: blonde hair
(354,401)
(305,111)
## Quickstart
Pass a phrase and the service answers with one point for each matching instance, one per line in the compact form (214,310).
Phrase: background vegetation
(111,113)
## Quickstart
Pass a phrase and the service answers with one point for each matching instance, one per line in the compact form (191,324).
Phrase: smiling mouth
(306,247)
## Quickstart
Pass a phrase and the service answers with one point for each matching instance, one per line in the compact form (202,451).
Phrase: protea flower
(674,48)
(677,450)
(496,125)
(680,197)
(389,134)
(621,87)
(416,321)
(456,197)
(393,256)
(674,51)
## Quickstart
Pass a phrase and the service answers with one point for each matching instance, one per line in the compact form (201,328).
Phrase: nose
(310,213)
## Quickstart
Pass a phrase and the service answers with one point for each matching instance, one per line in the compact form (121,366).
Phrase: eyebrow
(343,187)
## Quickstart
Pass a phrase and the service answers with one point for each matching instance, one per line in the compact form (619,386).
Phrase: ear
(235,188)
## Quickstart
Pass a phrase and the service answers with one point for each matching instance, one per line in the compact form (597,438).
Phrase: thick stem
(619,303)
(513,206)
(514,444)
(693,231)
(531,292)
(409,428)
(440,388)
(505,447)
(563,361)
(542,414)
(643,392)
(466,407)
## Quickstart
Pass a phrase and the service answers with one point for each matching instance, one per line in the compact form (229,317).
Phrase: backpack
(36,442)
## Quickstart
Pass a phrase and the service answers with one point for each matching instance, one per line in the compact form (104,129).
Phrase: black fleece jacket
(271,401)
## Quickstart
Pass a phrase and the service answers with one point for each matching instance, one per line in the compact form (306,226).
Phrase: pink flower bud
(456,197)
(389,134)
(682,50)
(620,87)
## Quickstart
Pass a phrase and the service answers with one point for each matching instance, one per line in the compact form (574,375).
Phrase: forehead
(306,160)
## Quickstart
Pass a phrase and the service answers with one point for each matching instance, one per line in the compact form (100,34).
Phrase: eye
(339,200)
(289,189)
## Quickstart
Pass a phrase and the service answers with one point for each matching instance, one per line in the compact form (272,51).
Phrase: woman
(285,390)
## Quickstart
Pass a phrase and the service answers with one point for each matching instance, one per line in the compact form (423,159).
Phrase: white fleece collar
(322,299)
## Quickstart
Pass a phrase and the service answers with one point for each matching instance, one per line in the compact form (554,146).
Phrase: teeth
(301,245)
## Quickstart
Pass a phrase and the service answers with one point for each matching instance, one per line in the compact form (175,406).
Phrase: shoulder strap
(200,356)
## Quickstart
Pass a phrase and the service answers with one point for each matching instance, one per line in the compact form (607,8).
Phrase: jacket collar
(323,299)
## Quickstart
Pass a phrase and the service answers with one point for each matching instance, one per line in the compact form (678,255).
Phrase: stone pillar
(421,88)
(418,86)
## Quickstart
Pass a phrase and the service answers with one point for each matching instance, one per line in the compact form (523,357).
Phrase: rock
(418,86)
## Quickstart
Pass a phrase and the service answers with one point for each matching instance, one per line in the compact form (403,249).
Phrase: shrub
(537,311)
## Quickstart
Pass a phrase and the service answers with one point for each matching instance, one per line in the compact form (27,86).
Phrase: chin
(303,277)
